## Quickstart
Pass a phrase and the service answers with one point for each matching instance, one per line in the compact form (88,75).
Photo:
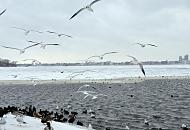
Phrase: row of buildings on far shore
(182,60)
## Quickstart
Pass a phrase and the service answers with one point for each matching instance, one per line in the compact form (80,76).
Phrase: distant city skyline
(26,62)
(114,26)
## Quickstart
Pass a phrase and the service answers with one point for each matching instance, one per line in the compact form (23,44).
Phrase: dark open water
(151,100)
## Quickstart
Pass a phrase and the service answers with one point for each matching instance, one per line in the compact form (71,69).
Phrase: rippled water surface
(151,99)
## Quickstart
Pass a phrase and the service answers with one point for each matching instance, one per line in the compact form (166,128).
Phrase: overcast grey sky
(115,25)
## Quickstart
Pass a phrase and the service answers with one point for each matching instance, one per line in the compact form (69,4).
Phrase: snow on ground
(35,124)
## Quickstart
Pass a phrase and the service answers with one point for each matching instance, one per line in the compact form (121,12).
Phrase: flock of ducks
(46,117)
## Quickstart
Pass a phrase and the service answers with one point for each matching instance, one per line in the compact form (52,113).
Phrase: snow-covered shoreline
(35,124)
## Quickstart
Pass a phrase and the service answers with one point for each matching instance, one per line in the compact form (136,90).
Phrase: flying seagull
(144,45)
(21,50)
(139,63)
(73,76)
(59,34)
(88,7)
(83,71)
(26,30)
(3,11)
(94,95)
(101,57)
(86,86)
(14,76)
(43,45)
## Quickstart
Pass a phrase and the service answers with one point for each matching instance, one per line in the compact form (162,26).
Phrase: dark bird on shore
(80,123)
(66,112)
(37,115)
(46,118)
(26,31)
(88,7)
(3,11)
(43,45)
(59,34)
(139,63)
(21,50)
(101,57)
(2,112)
(48,127)
(71,118)
(74,113)
(144,45)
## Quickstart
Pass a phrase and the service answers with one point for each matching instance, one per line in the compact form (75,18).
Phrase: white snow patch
(35,124)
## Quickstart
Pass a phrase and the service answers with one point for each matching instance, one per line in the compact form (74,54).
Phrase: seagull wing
(75,75)
(93,2)
(139,63)
(10,48)
(77,13)
(31,46)
(133,58)
(92,57)
(142,69)
(32,41)
(140,44)
(86,96)
(20,28)
(36,31)
(27,59)
(86,85)
(65,35)
(108,53)
(3,11)
(51,32)
(52,44)
(152,45)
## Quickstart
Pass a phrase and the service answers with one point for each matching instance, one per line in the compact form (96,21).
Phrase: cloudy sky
(115,25)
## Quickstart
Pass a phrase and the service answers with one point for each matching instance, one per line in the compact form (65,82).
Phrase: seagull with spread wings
(27,31)
(92,94)
(88,7)
(43,45)
(101,57)
(21,50)
(86,86)
(144,45)
(139,63)
(3,11)
(59,34)
(73,76)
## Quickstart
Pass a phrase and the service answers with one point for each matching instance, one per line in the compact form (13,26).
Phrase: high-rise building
(180,59)
(186,58)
